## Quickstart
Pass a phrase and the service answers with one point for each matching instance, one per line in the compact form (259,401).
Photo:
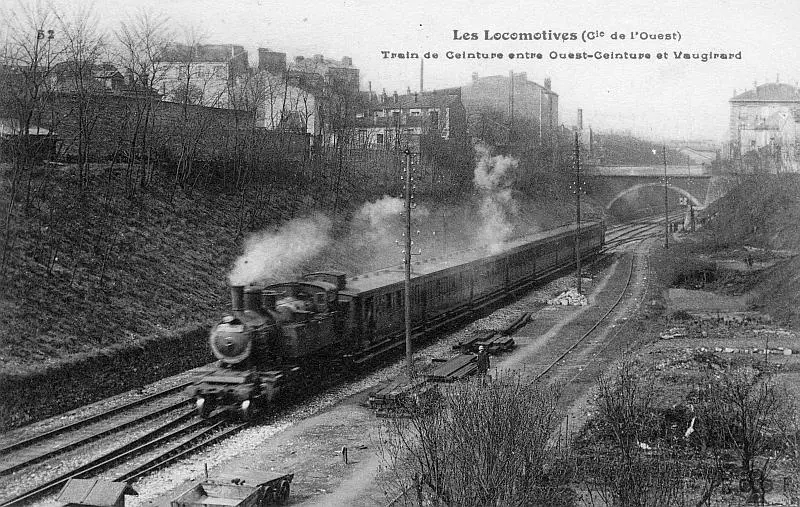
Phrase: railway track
(549,368)
(160,446)
(569,365)
(174,436)
(87,446)
(41,446)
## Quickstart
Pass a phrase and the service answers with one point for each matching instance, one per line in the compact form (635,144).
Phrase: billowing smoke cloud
(277,254)
(380,213)
(382,222)
(494,178)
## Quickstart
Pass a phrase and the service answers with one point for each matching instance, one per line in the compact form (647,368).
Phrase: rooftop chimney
(318,58)
(580,119)
(347,61)
(547,83)
(395,96)
(474,77)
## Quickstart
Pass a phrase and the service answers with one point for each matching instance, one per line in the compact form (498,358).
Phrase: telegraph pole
(578,209)
(407,261)
(666,201)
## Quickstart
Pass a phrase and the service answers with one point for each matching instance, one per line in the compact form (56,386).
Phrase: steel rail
(89,420)
(112,457)
(92,437)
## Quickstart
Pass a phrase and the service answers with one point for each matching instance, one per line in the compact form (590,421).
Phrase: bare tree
(84,47)
(144,40)
(743,409)
(481,444)
(633,457)
(27,61)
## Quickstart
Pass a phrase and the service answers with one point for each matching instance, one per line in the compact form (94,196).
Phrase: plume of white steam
(381,221)
(378,213)
(272,254)
(376,232)
(493,178)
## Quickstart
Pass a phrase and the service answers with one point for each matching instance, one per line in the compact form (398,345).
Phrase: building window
(379,138)
(434,119)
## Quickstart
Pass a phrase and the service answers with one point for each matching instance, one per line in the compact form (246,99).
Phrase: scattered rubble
(675,332)
(780,332)
(740,318)
(570,297)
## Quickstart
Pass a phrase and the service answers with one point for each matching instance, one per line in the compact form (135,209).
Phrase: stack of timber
(494,341)
(392,395)
(454,369)
(517,324)
(394,398)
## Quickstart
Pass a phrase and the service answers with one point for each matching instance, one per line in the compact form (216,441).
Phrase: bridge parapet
(649,170)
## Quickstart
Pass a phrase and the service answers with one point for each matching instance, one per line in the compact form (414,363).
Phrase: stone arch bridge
(609,186)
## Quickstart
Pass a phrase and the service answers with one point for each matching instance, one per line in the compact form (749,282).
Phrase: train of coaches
(279,331)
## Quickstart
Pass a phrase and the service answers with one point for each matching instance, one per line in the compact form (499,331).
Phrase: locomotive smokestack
(252,299)
(237,296)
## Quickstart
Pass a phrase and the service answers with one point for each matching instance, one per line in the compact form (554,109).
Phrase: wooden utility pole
(666,201)
(407,261)
(578,210)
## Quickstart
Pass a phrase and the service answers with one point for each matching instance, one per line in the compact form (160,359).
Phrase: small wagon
(245,489)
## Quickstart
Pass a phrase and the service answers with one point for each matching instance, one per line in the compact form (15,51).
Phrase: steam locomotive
(276,331)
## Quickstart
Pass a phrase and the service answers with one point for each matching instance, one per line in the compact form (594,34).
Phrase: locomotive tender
(278,330)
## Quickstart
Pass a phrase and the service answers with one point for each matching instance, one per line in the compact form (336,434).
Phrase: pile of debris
(674,332)
(569,298)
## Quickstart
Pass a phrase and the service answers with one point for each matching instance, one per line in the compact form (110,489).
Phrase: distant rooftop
(770,92)
(205,53)
(433,98)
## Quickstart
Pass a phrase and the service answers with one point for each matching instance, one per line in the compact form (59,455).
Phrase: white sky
(654,98)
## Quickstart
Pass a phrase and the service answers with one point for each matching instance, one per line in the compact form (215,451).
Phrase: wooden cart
(249,488)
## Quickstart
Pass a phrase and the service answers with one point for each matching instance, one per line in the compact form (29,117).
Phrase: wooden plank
(452,365)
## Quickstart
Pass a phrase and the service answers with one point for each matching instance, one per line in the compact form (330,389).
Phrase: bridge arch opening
(697,202)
